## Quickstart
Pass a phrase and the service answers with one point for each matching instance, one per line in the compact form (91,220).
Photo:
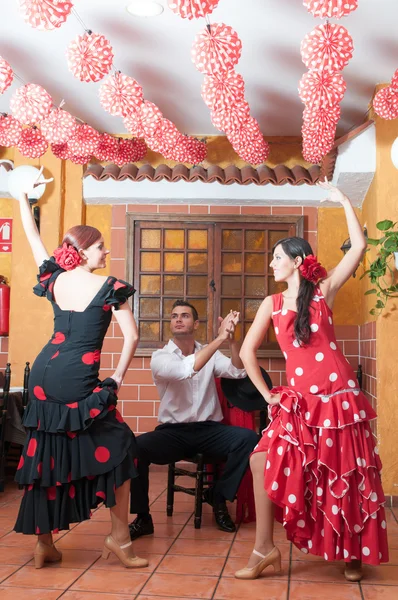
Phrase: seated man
(190,414)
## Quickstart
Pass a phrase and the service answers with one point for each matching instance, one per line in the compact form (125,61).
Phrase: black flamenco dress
(78,448)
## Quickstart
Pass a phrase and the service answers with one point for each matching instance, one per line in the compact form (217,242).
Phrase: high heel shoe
(353,571)
(45,553)
(131,562)
(272,558)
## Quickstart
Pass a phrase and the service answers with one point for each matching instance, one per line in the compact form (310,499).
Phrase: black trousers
(172,442)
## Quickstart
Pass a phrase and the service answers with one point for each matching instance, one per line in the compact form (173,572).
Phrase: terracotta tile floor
(185,564)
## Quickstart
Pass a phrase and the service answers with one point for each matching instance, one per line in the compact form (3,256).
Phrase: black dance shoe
(141,527)
(223,519)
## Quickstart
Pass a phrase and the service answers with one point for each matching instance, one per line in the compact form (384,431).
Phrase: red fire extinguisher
(4,306)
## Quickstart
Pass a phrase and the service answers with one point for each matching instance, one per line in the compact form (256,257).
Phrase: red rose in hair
(67,257)
(312,270)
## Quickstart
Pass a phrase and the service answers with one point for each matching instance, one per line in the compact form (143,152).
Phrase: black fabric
(78,448)
(172,442)
(243,394)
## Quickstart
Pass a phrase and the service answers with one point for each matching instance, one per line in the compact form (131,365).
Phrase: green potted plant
(385,264)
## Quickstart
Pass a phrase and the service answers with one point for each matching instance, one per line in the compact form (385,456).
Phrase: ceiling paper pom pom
(223,89)
(254,153)
(85,140)
(129,151)
(45,14)
(321,118)
(216,49)
(61,151)
(193,9)
(145,121)
(327,46)
(120,94)
(90,57)
(32,143)
(10,131)
(189,150)
(166,136)
(394,82)
(140,148)
(6,75)
(322,88)
(330,9)
(385,104)
(246,132)
(30,104)
(231,117)
(78,159)
(317,141)
(58,127)
(107,148)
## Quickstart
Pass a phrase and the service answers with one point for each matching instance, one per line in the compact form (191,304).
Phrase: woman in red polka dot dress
(79,452)
(317,465)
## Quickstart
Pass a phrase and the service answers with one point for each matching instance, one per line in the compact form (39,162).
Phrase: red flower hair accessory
(67,257)
(312,270)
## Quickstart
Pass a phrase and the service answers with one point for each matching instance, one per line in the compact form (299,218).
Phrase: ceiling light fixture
(144,8)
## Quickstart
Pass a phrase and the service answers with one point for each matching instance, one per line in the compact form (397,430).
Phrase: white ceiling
(156,51)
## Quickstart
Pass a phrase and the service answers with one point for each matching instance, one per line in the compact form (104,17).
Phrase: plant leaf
(391,245)
(373,291)
(384,225)
(373,242)
(380,304)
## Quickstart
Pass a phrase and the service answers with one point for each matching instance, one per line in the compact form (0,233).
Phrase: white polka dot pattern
(322,89)
(216,49)
(332,9)
(193,9)
(328,46)
(32,143)
(58,127)
(30,104)
(385,103)
(90,57)
(84,141)
(6,75)
(45,14)
(107,148)
(145,121)
(223,89)
(10,131)
(129,151)
(120,94)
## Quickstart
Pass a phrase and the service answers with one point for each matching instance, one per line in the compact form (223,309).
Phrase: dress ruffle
(48,272)
(324,479)
(119,293)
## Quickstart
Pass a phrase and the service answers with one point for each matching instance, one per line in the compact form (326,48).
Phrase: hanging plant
(384,265)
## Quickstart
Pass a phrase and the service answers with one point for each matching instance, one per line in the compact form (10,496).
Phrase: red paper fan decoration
(385,104)
(394,82)
(330,8)
(45,14)
(140,148)
(327,46)
(61,151)
(321,118)
(120,94)
(223,89)
(246,132)
(10,131)
(90,57)
(78,159)
(32,143)
(6,75)
(317,142)
(254,153)
(145,121)
(30,104)
(216,49)
(129,151)
(85,140)
(165,138)
(193,9)
(322,88)
(107,148)
(231,118)
(58,127)
(189,150)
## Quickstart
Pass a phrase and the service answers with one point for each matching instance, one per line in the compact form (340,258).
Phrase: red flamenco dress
(78,448)
(323,470)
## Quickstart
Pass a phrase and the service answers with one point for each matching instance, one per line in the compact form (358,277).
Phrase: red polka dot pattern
(94,412)
(89,358)
(72,491)
(51,493)
(55,355)
(21,463)
(32,447)
(72,405)
(39,393)
(102,454)
(58,338)
(101,495)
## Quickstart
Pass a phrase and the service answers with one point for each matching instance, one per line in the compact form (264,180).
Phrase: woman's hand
(335,195)
(273,399)
(118,380)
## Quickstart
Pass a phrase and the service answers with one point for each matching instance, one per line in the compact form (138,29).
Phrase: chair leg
(199,492)
(170,489)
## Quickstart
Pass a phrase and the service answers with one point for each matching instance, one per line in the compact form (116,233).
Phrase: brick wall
(139,400)
(367,358)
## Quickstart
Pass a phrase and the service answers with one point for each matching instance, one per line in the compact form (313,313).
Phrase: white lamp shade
(394,153)
(21,180)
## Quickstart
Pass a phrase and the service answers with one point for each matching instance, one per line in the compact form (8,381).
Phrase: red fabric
(245,511)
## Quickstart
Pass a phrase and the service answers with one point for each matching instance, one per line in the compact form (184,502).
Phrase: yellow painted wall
(100,216)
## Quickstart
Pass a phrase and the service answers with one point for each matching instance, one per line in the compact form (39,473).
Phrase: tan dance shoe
(45,553)
(131,562)
(353,570)
(272,558)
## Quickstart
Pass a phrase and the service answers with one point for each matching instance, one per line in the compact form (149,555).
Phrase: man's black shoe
(223,520)
(141,527)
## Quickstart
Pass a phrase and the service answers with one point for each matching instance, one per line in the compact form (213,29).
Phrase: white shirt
(188,396)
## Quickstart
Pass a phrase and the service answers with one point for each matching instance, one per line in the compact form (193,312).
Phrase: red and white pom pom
(145,121)
(385,104)
(325,119)
(120,94)
(327,46)
(10,131)
(32,143)
(85,140)
(58,127)
(330,9)
(322,88)
(193,9)
(61,151)
(90,57)
(140,149)
(30,104)
(317,142)
(223,89)
(394,82)
(189,150)
(231,117)
(129,151)
(79,159)
(107,148)
(45,14)
(166,137)
(216,49)
(254,153)
(6,75)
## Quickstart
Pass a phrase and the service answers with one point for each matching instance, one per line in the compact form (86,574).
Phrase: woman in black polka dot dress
(78,452)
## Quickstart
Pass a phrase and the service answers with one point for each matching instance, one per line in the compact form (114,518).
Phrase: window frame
(295,221)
